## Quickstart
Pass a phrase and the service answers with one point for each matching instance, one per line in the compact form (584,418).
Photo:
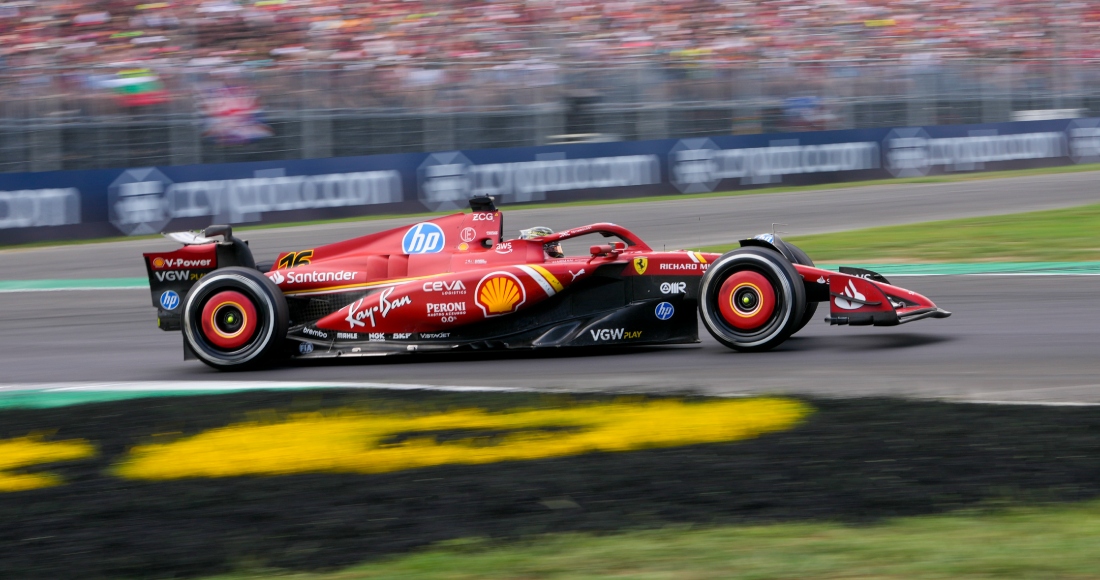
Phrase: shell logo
(499,293)
(158,262)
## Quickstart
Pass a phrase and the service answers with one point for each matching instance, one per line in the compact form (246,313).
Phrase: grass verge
(983,175)
(1052,542)
(1061,235)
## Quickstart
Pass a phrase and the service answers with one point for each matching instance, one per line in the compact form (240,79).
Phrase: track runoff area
(1020,332)
(118,459)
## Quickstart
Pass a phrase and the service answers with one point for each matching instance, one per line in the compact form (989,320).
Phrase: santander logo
(851,292)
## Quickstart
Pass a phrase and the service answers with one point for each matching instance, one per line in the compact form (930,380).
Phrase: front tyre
(751,299)
(235,319)
(802,259)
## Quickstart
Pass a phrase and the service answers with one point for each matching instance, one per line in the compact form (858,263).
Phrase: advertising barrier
(133,201)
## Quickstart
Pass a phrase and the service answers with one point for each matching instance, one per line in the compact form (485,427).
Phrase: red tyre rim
(746,300)
(229,320)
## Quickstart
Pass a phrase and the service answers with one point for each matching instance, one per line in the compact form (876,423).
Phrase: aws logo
(499,293)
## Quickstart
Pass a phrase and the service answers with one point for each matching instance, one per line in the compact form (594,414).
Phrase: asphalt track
(672,225)
(1012,338)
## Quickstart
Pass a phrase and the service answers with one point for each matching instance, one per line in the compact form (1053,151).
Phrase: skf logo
(499,293)
(295,259)
(640,265)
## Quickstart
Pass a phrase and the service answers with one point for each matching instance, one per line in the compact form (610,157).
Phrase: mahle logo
(423,238)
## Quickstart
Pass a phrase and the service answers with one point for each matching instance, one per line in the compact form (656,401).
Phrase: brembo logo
(315,332)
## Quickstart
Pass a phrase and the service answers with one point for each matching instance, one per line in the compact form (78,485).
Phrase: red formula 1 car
(455,282)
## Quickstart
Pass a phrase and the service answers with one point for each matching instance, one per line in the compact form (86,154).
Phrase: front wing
(860,297)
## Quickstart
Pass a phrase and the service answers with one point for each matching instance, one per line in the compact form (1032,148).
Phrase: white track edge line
(200,386)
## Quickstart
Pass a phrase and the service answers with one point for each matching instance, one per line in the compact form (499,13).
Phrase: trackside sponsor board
(144,200)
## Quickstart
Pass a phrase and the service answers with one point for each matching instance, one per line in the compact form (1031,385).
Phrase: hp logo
(664,311)
(423,238)
(169,300)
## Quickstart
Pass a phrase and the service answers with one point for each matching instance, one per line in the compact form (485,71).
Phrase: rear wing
(173,274)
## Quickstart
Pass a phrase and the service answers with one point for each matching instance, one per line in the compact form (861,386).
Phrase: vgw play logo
(423,238)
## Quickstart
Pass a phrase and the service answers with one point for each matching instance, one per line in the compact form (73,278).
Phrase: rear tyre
(802,259)
(751,299)
(235,319)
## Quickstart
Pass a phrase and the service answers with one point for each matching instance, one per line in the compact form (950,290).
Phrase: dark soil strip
(853,460)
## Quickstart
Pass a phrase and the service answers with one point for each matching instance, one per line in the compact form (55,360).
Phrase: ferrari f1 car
(456,282)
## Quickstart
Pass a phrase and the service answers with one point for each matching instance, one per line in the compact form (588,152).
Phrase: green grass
(981,175)
(1062,235)
(1052,542)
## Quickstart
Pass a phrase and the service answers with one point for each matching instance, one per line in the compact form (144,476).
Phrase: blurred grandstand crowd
(249,69)
(275,32)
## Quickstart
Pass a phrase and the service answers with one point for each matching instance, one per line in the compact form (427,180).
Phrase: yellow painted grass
(24,452)
(350,441)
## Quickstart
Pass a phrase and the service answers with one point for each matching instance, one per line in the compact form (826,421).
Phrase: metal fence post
(45,136)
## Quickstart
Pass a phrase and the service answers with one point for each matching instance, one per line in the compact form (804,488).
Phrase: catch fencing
(108,202)
(66,119)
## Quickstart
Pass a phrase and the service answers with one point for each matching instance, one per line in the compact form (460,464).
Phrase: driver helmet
(552,249)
